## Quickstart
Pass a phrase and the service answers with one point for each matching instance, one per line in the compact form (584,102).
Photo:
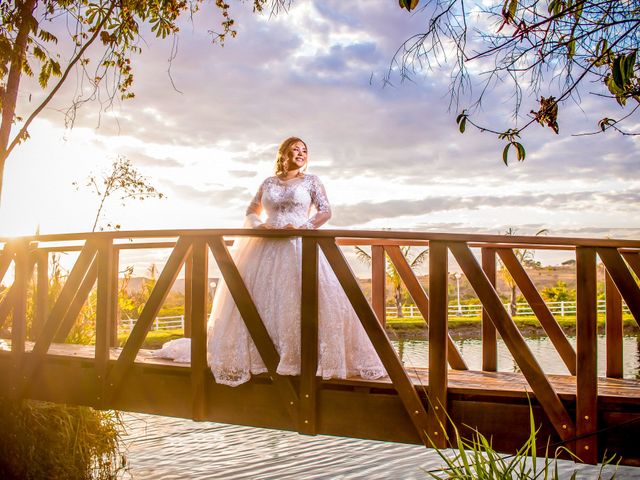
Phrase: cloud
(363,212)
(228,196)
(385,151)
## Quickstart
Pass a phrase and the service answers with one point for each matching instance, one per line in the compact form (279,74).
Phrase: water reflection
(415,353)
(169,448)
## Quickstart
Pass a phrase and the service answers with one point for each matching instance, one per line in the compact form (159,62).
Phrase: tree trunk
(10,96)
(512,305)
(398,299)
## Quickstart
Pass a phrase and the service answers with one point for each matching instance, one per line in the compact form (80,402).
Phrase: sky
(204,130)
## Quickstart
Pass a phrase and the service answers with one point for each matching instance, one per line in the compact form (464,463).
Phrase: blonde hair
(281,167)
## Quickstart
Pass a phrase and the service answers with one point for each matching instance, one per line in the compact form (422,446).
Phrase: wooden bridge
(587,414)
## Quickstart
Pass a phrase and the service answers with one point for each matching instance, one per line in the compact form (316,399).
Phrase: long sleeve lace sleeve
(321,203)
(252,218)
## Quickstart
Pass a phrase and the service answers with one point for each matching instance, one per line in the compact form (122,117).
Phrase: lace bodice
(289,202)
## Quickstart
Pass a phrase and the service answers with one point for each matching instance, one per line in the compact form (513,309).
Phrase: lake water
(169,448)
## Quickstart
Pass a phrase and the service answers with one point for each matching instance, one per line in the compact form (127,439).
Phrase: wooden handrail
(472,238)
(98,260)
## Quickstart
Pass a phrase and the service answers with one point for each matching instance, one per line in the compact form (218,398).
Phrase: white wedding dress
(271,270)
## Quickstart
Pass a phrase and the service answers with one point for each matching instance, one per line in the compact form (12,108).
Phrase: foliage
(558,293)
(123,179)
(42,440)
(546,50)
(103,35)
(414,260)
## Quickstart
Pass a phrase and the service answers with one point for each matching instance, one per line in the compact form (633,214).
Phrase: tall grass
(475,459)
(41,440)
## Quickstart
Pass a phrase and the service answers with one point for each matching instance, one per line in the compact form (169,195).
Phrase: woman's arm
(252,219)
(321,203)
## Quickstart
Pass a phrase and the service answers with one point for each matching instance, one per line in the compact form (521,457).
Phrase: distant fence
(560,309)
(160,323)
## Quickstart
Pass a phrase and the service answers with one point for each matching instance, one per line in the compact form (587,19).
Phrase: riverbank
(416,329)
(471,328)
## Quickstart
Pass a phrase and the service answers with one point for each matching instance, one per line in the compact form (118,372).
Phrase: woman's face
(296,156)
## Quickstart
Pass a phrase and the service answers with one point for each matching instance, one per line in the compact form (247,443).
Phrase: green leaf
(521,153)
(39,53)
(512,8)
(408,4)
(630,63)
(578,12)
(616,71)
(552,5)
(505,154)
(463,124)
(611,84)
(45,73)
(461,120)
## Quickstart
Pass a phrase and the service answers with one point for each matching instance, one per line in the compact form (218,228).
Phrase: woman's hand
(264,226)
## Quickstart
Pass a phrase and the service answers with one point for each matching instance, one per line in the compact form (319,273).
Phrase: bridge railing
(476,256)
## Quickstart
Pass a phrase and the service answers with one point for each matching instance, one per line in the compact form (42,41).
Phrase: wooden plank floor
(469,382)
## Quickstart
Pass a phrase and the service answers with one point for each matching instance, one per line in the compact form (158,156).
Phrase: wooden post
(489,333)
(613,328)
(438,336)
(104,313)
(19,303)
(309,337)
(188,295)
(19,298)
(198,302)
(586,371)
(115,291)
(378,283)
(42,294)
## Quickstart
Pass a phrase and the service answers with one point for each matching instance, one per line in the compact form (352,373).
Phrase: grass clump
(42,440)
(475,458)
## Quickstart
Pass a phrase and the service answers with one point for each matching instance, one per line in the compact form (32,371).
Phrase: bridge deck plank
(460,382)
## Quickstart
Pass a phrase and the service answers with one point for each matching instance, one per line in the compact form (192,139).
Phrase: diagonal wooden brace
(514,341)
(406,391)
(251,317)
(422,301)
(539,307)
(159,293)
(623,279)
(69,290)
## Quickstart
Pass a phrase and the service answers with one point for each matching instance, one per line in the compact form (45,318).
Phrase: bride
(271,270)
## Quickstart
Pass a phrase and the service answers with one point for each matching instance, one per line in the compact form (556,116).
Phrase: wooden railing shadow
(426,408)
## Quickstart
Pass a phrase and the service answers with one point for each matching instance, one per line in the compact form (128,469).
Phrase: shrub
(42,440)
